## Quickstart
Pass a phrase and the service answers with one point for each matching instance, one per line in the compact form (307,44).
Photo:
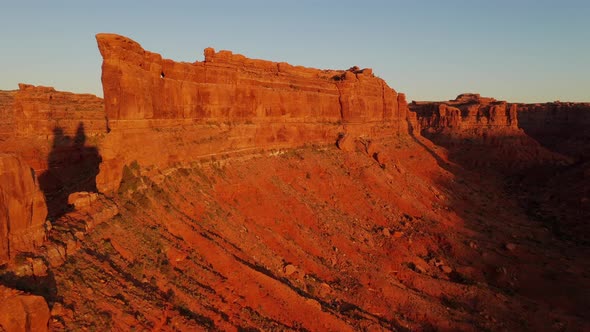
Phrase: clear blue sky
(518,50)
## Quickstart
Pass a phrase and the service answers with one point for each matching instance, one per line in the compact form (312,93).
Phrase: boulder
(82,199)
(22,312)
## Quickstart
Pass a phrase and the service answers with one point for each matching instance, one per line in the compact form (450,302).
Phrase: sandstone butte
(173,203)
(470,123)
(230,104)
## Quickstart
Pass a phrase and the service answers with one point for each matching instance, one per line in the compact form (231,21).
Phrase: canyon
(241,194)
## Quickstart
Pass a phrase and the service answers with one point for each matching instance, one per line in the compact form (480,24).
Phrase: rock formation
(22,312)
(55,133)
(471,123)
(230,104)
(559,126)
(39,110)
(544,146)
(22,208)
(7,126)
(561,195)
(469,115)
(31,116)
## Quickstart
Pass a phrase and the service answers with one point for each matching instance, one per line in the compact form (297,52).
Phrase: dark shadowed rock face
(559,126)
(544,148)
(471,124)
(55,133)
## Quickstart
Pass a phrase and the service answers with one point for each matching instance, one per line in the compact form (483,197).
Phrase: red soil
(321,239)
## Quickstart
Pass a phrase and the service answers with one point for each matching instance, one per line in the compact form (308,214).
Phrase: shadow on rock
(71,167)
(44,286)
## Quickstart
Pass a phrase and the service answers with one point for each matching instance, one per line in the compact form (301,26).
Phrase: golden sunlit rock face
(22,208)
(228,104)
(250,195)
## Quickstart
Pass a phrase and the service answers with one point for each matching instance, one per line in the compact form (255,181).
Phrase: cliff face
(471,124)
(22,208)
(230,104)
(6,114)
(56,134)
(40,110)
(469,115)
(34,118)
(559,126)
(227,87)
(561,195)
(45,154)
(22,312)
(546,146)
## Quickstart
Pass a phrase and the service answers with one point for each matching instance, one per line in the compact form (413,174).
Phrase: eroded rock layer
(56,133)
(543,148)
(39,110)
(471,124)
(559,126)
(22,312)
(6,114)
(22,208)
(35,118)
(230,104)
(469,115)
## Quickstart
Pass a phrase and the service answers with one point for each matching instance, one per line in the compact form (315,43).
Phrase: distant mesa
(472,98)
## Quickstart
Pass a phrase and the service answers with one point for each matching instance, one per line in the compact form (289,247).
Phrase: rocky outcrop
(39,110)
(230,104)
(469,115)
(34,118)
(560,197)
(6,114)
(559,126)
(22,312)
(470,124)
(140,85)
(56,133)
(22,208)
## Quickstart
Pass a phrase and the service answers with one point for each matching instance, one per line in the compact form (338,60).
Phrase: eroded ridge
(229,103)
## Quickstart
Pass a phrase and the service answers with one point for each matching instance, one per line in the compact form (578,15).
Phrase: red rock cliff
(55,133)
(39,110)
(163,112)
(22,312)
(141,85)
(22,208)
(469,115)
(470,124)
(31,116)
(6,114)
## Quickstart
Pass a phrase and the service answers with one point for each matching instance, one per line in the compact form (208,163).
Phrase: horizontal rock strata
(163,112)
